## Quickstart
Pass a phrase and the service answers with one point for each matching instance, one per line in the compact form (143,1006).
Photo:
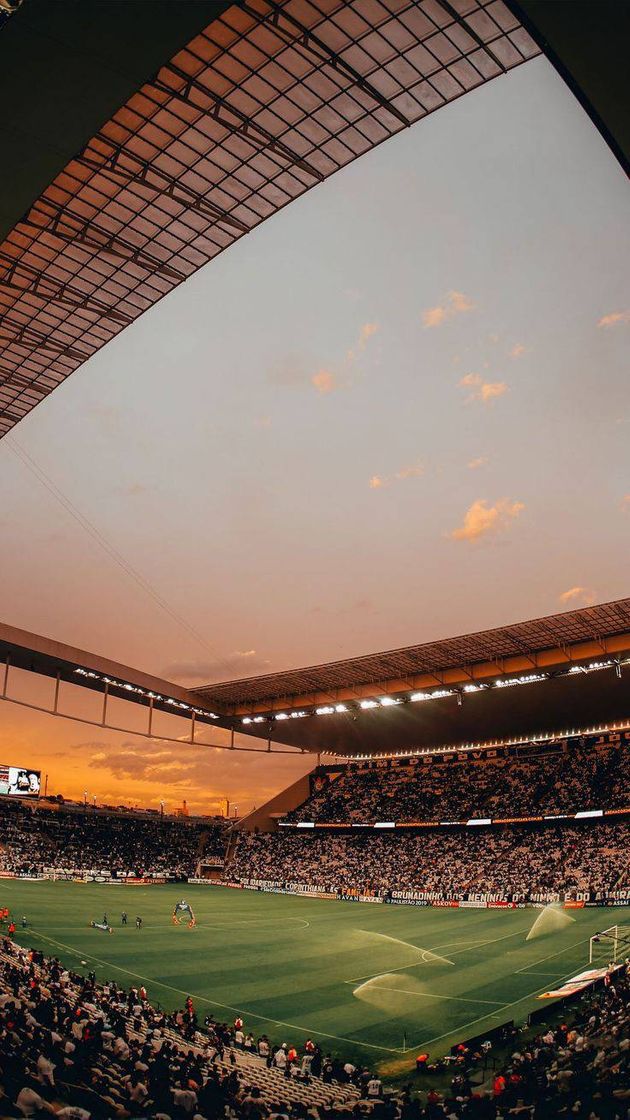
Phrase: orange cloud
(433,316)
(480,461)
(578,597)
(324,381)
(613,318)
(517,351)
(455,303)
(482,390)
(367,330)
(415,470)
(482,520)
(365,334)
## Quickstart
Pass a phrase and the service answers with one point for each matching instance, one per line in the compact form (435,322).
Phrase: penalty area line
(217,1003)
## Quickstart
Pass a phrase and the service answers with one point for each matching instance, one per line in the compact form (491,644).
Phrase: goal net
(612,944)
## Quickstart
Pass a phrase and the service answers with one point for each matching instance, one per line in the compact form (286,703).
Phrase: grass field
(367,981)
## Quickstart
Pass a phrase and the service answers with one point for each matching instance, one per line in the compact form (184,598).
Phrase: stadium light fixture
(593,667)
(327,710)
(438,694)
(368,704)
(529,678)
(388,701)
(124,686)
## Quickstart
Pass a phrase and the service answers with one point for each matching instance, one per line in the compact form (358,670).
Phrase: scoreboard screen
(19,781)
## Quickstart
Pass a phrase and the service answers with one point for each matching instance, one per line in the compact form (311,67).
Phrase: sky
(397,411)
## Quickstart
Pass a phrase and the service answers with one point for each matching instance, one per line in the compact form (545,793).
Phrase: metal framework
(574,668)
(524,646)
(269,100)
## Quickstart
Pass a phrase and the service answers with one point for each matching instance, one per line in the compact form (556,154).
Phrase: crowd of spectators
(77,1049)
(514,862)
(64,838)
(579,1070)
(563,778)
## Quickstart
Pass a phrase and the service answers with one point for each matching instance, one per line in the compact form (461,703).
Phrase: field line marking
(504,1006)
(531,972)
(429,995)
(551,955)
(217,1003)
(407,944)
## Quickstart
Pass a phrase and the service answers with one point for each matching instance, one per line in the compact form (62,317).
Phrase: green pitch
(366,981)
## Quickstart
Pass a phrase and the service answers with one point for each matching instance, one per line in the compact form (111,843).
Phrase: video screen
(19,781)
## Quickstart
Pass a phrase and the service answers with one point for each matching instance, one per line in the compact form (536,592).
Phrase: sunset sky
(397,411)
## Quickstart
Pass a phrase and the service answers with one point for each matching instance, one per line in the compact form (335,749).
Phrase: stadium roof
(419,666)
(262,103)
(160,141)
(565,673)
(574,669)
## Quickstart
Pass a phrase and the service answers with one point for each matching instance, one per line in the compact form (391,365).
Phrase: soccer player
(11,929)
(123,918)
(105,926)
(24,921)
(138,922)
(183,907)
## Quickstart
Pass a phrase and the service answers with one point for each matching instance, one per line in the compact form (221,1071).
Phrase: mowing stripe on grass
(504,1006)
(405,967)
(216,1003)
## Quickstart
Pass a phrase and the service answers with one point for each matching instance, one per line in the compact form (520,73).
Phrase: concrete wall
(265,818)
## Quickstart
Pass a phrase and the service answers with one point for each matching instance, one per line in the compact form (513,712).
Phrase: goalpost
(612,944)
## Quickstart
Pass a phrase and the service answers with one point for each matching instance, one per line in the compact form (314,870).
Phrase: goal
(612,944)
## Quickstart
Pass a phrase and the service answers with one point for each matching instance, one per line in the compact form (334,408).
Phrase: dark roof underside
(263,103)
